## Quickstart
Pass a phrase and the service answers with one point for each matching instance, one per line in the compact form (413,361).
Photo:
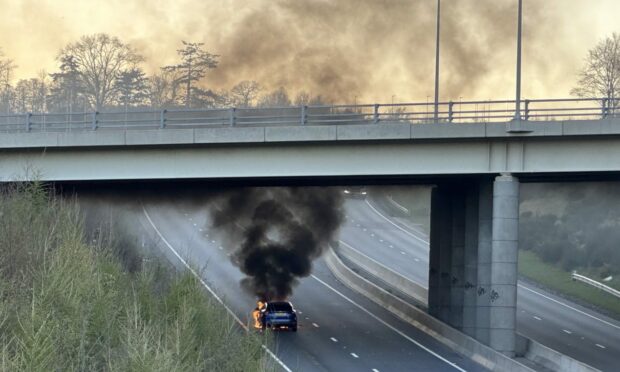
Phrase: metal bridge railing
(414,113)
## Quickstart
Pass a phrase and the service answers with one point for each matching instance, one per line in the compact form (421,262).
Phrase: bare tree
(245,93)
(163,89)
(195,62)
(600,77)
(100,58)
(30,95)
(304,98)
(6,91)
(276,98)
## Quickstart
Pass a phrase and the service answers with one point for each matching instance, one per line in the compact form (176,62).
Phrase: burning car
(275,315)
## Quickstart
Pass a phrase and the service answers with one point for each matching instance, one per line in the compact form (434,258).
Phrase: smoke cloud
(369,49)
(276,233)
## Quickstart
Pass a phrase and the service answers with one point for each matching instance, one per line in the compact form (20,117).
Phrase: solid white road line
(569,307)
(388,325)
(396,225)
(204,284)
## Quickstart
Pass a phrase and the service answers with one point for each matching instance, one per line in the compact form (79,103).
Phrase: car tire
(294,328)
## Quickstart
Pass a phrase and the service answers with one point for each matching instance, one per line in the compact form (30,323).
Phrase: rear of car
(280,315)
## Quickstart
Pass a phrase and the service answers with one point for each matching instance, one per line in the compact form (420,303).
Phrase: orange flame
(256,314)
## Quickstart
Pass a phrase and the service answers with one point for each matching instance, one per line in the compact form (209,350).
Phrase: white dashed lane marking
(567,331)
(416,259)
(315,325)
(403,253)
(371,234)
(220,248)
(375,370)
(537,318)
(601,346)
(333,339)
(354,355)
(391,246)
(195,225)
(364,229)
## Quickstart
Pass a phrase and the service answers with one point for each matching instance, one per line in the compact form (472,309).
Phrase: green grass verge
(532,267)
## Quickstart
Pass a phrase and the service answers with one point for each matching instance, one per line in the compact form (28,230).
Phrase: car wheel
(294,328)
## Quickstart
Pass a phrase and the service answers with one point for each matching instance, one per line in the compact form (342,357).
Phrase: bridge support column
(440,254)
(503,295)
(449,207)
(473,259)
(470,272)
(483,285)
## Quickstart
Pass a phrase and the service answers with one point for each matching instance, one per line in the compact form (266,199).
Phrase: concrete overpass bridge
(476,162)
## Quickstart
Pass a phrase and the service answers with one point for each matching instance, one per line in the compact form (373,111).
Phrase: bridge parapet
(309,133)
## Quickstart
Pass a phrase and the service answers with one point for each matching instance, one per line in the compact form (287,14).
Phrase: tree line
(100,72)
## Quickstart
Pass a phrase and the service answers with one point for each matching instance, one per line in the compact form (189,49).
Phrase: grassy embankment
(66,305)
(558,280)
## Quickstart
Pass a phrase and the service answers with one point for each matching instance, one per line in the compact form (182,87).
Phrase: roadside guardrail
(595,284)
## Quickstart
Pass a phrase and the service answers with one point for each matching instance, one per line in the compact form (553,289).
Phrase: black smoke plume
(276,233)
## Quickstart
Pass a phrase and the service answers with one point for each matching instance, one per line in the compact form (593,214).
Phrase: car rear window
(280,306)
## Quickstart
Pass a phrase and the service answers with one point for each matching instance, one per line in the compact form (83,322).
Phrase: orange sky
(371,49)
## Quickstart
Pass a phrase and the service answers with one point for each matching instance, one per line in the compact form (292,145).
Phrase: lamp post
(436,116)
(518,93)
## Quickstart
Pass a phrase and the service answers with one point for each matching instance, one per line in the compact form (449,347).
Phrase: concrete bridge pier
(473,258)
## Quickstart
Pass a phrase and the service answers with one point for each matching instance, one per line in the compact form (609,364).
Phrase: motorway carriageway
(551,320)
(339,330)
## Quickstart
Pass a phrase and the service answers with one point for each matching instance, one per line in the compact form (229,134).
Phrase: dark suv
(280,315)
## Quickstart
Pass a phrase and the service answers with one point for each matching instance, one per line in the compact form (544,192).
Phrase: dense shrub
(68,305)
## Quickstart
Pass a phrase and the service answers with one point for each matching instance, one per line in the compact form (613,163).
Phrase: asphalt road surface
(339,330)
(555,322)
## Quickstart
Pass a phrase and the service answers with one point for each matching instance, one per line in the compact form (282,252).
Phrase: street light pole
(518,97)
(437,64)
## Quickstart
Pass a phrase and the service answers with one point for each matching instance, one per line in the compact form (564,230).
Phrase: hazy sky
(371,49)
